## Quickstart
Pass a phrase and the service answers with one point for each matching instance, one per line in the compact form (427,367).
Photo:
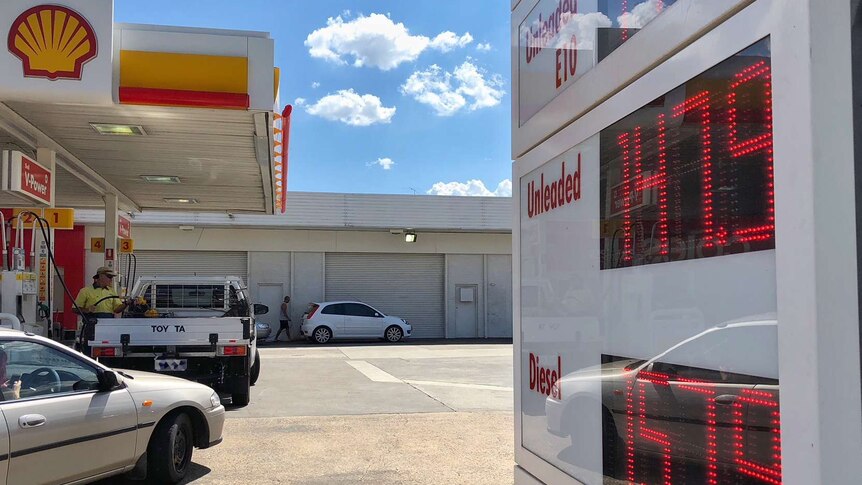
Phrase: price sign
(97,245)
(127,246)
(60,218)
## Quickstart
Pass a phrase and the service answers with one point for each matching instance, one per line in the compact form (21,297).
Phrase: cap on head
(104,270)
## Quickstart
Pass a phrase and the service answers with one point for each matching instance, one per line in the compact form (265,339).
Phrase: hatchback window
(359,310)
(337,309)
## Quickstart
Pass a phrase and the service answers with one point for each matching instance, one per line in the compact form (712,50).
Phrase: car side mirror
(260,309)
(108,381)
(376,314)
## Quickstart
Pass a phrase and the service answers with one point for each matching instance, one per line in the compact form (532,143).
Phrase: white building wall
(295,260)
(308,281)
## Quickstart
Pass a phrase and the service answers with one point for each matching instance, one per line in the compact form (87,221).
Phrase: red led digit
(658,181)
(664,240)
(760,74)
(624,142)
(708,392)
(766,473)
(636,427)
(700,104)
(635,184)
(630,431)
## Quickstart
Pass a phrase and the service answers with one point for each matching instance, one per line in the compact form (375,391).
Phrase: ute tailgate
(171,331)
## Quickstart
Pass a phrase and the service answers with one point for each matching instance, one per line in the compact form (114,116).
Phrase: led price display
(690,175)
(670,428)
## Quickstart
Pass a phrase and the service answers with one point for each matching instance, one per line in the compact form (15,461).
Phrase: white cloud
(375,41)
(315,85)
(299,101)
(484,92)
(386,163)
(641,15)
(447,93)
(434,88)
(483,47)
(583,28)
(346,13)
(448,41)
(351,108)
(474,188)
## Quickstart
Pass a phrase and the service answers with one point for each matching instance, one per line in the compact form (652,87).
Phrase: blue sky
(374,115)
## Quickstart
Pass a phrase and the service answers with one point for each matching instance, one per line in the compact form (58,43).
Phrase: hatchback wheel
(322,335)
(394,334)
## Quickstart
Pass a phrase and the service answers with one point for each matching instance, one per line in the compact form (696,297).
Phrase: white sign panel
(57,51)
(642,348)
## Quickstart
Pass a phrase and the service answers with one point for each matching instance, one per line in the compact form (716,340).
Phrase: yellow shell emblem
(53,42)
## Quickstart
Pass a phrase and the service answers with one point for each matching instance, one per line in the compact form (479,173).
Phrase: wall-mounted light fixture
(410,236)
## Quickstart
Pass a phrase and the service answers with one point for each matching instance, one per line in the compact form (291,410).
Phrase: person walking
(284,319)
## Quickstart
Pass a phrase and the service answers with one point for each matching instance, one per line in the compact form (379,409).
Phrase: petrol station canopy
(165,118)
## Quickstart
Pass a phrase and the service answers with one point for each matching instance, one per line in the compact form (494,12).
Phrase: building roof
(328,211)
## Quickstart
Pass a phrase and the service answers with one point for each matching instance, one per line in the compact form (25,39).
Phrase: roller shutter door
(406,285)
(191,263)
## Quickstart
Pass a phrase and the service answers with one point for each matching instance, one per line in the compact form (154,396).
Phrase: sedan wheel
(170,450)
(394,334)
(322,335)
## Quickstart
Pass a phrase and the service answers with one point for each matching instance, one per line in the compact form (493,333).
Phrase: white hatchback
(351,319)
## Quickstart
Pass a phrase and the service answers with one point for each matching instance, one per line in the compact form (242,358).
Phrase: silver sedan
(88,421)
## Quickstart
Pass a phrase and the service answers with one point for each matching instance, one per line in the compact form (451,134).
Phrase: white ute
(199,328)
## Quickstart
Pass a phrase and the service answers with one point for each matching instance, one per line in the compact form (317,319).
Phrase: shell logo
(53,42)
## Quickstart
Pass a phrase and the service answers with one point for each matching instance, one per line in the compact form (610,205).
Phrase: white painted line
(459,384)
(373,372)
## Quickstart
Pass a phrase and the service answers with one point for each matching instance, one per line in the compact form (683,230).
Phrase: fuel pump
(18,286)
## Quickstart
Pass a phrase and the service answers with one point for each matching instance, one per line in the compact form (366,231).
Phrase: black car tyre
(321,335)
(169,453)
(394,334)
(255,368)
(241,396)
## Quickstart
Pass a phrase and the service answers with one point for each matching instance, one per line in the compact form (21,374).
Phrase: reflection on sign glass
(560,40)
(690,175)
(675,423)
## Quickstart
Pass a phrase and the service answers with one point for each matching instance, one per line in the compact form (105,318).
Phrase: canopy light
(171,200)
(161,179)
(410,236)
(120,130)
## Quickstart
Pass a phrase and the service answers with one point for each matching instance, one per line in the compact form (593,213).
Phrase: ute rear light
(104,352)
(233,350)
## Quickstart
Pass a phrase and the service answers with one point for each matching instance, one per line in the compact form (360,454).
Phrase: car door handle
(31,420)
(726,399)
